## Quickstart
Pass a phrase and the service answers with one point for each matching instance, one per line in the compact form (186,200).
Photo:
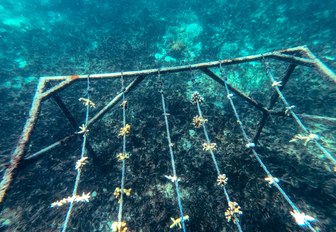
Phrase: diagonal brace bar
(251,101)
(73,123)
(99,115)
(272,102)
(48,148)
(115,100)
(320,66)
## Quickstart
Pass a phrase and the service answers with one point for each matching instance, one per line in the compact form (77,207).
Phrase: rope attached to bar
(122,187)
(301,218)
(289,110)
(174,178)
(202,120)
(82,157)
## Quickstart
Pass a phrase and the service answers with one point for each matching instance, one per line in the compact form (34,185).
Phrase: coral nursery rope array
(233,210)
(301,218)
(80,163)
(121,226)
(298,56)
(290,110)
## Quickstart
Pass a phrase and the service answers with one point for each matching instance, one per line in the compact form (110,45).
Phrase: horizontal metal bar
(294,60)
(273,55)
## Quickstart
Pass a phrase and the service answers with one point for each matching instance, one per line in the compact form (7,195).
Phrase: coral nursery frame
(293,56)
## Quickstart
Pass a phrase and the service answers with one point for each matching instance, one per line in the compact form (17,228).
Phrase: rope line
(290,110)
(251,146)
(124,152)
(213,155)
(83,153)
(172,155)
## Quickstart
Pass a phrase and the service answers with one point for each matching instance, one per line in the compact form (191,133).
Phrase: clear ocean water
(40,38)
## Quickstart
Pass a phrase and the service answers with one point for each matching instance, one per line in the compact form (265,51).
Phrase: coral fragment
(84,198)
(222,180)
(83,130)
(124,130)
(271,180)
(198,121)
(301,219)
(87,102)
(177,221)
(117,193)
(276,83)
(124,104)
(122,156)
(81,162)
(172,178)
(233,211)
(209,146)
(122,227)
(196,98)
(306,139)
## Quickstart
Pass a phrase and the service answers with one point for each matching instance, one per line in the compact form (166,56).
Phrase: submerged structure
(233,214)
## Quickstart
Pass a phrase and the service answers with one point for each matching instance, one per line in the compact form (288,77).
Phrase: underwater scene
(168,115)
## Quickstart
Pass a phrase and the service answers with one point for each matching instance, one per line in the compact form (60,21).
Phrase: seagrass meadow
(167,116)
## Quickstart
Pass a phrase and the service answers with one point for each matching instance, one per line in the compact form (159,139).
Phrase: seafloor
(48,38)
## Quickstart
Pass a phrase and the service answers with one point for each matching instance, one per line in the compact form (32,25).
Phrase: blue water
(57,37)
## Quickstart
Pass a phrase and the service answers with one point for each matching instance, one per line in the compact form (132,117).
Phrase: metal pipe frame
(294,56)
(274,98)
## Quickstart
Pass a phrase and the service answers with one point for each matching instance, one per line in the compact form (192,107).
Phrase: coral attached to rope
(181,220)
(80,163)
(290,111)
(222,180)
(84,198)
(119,225)
(301,218)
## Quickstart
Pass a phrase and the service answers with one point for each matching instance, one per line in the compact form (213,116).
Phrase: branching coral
(196,97)
(117,193)
(122,156)
(87,102)
(84,198)
(124,130)
(209,146)
(222,180)
(122,227)
(305,138)
(198,121)
(233,211)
